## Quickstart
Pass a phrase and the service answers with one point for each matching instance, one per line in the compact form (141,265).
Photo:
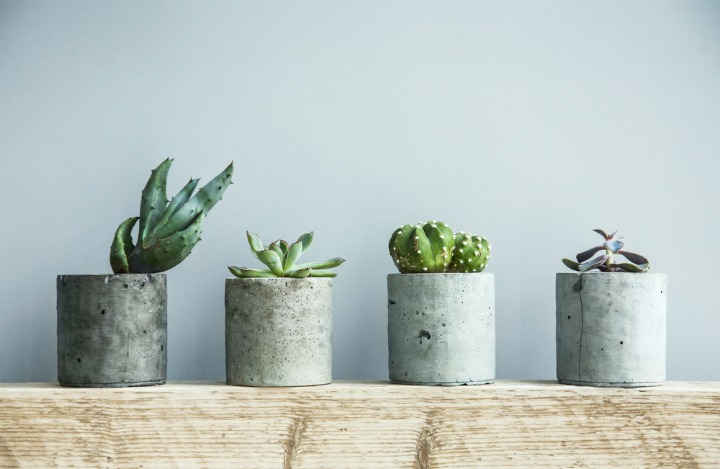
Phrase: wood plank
(365,425)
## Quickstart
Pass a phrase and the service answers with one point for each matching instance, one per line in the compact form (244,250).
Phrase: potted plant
(112,328)
(278,321)
(611,324)
(441,307)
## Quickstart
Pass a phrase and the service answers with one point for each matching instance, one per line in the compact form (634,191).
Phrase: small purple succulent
(606,262)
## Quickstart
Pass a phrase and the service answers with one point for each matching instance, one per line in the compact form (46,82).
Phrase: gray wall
(528,122)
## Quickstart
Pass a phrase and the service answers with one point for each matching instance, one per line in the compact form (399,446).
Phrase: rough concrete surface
(441,328)
(611,328)
(278,331)
(112,330)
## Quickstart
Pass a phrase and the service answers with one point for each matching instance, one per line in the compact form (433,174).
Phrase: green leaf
(122,246)
(154,199)
(302,273)
(272,260)
(322,273)
(278,250)
(244,272)
(165,253)
(306,240)
(328,264)
(294,252)
(283,245)
(176,202)
(256,244)
(571,264)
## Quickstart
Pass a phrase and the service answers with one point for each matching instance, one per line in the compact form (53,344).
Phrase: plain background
(529,122)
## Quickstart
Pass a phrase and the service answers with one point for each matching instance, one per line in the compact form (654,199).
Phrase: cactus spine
(471,253)
(422,248)
(168,231)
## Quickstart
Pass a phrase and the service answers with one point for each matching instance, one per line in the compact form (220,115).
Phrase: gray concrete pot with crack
(611,328)
(441,328)
(112,330)
(278,331)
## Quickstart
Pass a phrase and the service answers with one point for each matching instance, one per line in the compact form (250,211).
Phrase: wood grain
(363,425)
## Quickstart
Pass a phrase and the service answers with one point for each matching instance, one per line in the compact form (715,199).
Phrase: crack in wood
(295,432)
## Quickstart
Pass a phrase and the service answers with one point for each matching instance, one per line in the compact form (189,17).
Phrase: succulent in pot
(278,320)
(441,307)
(611,324)
(112,329)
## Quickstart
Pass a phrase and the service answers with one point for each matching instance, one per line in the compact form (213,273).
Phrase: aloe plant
(280,258)
(168,230)
(606,262)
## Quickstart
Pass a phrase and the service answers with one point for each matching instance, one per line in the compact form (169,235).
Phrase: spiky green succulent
(422,248)
(606,262)
(168,230)
(471,253)
(280,258)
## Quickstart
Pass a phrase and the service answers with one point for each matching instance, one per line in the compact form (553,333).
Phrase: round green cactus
(422,248)
(471,253)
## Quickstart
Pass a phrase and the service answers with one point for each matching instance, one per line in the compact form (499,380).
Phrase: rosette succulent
(168,230)
(607,262)
(280,258)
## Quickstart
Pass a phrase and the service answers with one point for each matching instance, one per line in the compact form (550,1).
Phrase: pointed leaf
(244,272)
(122,246)
(159,255)
(583,256)
(322,273)
(272,260)
(635,258)
(204,200)
(601,233)
(627,267)
(328,264)
(613,245)
(306,240)
(154,199)
(592,263)
(283,245)
(302,273)
(278,251)
(176,202)
(294,252)
(256,244)
(571,264)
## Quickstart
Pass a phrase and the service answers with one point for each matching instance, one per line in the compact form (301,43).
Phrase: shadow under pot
(611,329)
(112,330)
(278,331)
(441,328)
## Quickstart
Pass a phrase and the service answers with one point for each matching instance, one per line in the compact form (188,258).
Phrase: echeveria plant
(433,248)
(169,230)
(280,258)
(606,262)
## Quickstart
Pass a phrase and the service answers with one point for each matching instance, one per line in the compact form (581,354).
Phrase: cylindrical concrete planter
(278,331)
(441,328)
(611,328)
(112,330)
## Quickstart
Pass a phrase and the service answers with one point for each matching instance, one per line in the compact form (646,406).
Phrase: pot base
(449,383)
(113,385)
(610,385)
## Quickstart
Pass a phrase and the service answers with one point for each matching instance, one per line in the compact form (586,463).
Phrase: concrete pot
(278,331)
(611,329)
(441,328)
(112,330)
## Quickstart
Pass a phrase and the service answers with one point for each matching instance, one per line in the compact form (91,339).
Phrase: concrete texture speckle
(611,328)
(441,328)
(112,330)
(278,331)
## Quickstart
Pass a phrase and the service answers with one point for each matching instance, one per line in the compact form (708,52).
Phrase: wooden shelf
(360,424)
